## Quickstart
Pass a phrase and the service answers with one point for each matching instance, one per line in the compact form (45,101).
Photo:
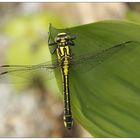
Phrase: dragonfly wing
(89,61)
(24,73)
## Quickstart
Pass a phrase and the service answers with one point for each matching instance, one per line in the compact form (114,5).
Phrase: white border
(64,1)
(86,1)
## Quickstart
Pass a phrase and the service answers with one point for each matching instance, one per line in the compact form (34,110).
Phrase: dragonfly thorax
(63,51)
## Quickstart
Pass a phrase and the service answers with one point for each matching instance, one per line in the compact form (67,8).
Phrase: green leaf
(106,99)
(133,16)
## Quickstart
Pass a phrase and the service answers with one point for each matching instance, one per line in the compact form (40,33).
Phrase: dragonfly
(62,46)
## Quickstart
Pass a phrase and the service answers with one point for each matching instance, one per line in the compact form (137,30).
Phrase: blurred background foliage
(38,110)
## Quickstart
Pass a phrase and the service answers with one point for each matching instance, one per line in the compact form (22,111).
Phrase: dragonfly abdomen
(68,121)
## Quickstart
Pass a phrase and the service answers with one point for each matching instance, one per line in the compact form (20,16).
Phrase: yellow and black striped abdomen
(68,122)
(63,54)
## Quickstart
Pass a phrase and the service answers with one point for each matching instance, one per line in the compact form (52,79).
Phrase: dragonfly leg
(51,44)
(71,43)
(54,49)
(73,37)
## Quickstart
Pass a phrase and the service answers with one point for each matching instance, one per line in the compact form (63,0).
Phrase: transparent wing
(81,63)
(87,62)
(24,73)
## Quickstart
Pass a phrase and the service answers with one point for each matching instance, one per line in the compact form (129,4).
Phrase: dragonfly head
(62,39)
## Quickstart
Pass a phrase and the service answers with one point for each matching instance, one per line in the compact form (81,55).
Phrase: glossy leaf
(106,99)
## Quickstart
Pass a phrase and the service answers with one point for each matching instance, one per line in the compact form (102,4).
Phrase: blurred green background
(34,109)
